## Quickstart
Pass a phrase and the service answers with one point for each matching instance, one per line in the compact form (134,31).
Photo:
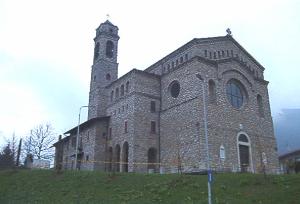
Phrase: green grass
(45,186)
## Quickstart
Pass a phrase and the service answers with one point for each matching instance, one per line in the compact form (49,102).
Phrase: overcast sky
(46,49)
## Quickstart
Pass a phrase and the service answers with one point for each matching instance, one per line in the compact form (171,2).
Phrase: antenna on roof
(228,31)
(107,16)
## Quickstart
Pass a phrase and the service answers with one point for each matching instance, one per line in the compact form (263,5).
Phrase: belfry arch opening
(109,49)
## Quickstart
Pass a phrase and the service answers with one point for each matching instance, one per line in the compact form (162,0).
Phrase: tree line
(36,145)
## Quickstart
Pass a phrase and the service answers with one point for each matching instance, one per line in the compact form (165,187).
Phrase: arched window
(260,106)
(108,77)
(243,138)
(96,51)
(117,157)
(109,49)
(211,91)
(174,89)
(236,93)
(127,87)
(122,90)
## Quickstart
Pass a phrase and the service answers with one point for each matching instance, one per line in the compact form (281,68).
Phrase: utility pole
(209,172)
(77,136)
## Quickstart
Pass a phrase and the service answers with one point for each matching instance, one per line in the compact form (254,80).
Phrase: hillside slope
(45,186)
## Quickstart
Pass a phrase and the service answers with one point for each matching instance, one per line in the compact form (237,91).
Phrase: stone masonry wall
(224,121)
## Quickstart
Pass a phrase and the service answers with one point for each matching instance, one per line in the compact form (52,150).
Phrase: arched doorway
(110,159)
(244,153)
(125,157)
(152,159)
(117,158)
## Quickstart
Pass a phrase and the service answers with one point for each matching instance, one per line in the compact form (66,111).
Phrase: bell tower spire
(104,68)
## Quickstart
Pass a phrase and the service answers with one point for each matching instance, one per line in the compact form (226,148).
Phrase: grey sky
(46,49)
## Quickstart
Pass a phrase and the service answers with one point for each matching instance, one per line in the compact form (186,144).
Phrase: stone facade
(153,120)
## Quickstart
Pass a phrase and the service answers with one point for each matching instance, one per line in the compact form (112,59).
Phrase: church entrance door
(244,157)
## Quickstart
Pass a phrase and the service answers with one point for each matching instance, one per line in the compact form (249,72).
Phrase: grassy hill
(45,186)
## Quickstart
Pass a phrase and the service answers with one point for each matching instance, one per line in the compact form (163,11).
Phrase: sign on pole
(210,176)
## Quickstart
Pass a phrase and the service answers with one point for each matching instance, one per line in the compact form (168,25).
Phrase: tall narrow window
(96,51)
(152,108)
(122,90)
(117,93)
(127,87)
(212,91)
(205,53)
(112,96)
(153,127)
(260,106)
(222,153)
(109,49)
(125,127)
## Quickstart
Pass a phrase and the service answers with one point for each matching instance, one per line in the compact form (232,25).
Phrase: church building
(209,92)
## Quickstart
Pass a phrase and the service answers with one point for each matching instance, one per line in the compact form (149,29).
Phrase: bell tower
(104,68)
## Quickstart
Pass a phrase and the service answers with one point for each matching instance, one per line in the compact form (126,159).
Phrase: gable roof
(196,41)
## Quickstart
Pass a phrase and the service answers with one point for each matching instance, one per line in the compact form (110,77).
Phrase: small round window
(174,89)
(236,93)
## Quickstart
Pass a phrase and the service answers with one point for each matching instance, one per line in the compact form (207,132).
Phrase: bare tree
(39,142)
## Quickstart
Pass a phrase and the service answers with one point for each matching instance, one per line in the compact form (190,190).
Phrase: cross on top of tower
(228,31)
